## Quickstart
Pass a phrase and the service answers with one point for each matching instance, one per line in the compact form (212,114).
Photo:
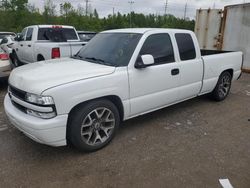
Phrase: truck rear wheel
(93,125)
(223,87)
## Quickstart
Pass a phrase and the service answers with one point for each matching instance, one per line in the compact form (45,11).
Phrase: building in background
(227,29)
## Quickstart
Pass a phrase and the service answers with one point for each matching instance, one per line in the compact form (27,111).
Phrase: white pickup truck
(43,42)
(82,100)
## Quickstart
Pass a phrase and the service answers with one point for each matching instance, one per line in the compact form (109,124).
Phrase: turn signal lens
(4,56)
(55,53)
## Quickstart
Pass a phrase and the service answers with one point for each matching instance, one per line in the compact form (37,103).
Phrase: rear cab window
(186,46)
(57,34)
(160,47)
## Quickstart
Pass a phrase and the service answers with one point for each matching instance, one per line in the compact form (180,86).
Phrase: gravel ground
(192,144)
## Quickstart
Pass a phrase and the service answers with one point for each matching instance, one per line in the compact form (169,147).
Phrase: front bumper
(51,132)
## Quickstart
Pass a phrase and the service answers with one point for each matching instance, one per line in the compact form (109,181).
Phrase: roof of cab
(144,30)
(50,26)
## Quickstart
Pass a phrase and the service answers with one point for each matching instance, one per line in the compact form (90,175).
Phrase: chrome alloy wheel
(97,126)
(224,86)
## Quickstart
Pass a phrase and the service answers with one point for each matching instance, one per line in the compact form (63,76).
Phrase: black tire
(223,87)
(84,124)
(15,61)
(40,58)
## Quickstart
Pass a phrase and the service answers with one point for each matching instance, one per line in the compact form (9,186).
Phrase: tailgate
(68,49)
(65,49)
(76,46)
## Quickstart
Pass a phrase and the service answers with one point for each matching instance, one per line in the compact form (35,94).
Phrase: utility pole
(113,12)
(214,5)
(87,7)
(166,7)
(130,18)
(185,11)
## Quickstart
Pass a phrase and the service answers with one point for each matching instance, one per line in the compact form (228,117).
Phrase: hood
(39,76)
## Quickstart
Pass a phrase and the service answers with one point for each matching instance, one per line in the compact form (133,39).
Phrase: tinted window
(57,34)
(160,47)
(29,34)
(70,34)
(186,46)
(114,49)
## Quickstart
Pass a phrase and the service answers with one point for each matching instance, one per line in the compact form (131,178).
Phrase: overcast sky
(175,7)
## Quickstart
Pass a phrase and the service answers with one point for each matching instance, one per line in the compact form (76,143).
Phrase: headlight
(40,100)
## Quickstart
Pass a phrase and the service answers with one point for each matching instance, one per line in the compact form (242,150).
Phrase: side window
(160,47)
(29,34)
(23,33)
(186,46)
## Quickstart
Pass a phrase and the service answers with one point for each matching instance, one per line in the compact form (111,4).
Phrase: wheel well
(113,98)
(13,54)
(40,57)
(231,71)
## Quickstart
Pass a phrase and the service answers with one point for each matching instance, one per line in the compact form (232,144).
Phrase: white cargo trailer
(207,28)
(233,33)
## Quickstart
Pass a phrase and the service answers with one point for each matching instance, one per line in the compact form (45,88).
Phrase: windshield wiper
(76,56)
(94,59)
(100,61)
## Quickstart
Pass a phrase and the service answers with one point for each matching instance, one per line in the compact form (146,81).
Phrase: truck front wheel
(15,61)
(93,125)
(223,87)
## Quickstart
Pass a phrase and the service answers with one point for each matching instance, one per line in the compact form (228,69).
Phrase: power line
(87,6)
(185,11)
(130,18)
(166,7)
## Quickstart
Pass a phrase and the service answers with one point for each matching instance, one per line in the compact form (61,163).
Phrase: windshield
(113,49)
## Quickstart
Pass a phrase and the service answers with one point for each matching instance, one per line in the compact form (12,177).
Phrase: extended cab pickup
(118,75)
(43,42)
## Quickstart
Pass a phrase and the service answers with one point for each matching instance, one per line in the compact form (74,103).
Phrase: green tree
(17,14)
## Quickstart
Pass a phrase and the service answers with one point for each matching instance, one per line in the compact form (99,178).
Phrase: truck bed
(215,62)
(212,52)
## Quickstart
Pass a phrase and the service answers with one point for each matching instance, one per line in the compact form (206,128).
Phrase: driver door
(157,85)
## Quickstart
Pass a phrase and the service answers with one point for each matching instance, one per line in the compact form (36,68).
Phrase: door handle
(29,45)
(175,72)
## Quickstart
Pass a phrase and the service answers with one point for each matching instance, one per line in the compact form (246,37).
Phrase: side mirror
(19,37)
(144,61)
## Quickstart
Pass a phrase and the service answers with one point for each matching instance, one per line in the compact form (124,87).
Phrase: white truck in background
(82,100)
(44,42)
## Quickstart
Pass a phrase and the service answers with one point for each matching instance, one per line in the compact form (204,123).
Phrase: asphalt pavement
(191,144)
